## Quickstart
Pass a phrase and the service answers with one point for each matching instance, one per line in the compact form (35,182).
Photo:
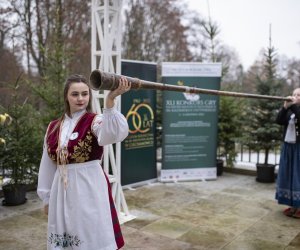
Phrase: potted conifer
(264,133)
(20,155)
(229,129)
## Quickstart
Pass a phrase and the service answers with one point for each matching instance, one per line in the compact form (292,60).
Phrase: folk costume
(71,180)
(288,179)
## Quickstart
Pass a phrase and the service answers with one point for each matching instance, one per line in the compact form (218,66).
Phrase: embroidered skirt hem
(288,179)
(82,216)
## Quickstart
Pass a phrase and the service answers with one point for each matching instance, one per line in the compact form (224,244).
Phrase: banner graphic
(190,122)
(138,150)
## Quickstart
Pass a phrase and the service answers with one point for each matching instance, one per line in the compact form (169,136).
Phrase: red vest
(84,147)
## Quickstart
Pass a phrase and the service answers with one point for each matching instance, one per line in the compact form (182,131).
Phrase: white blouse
(109,127)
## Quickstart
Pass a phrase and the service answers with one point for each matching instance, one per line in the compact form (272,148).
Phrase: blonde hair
(296,89)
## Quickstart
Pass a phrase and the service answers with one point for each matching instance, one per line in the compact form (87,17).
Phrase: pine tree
(264,134)
(229,126)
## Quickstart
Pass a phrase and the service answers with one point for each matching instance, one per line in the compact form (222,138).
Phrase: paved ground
(233,212)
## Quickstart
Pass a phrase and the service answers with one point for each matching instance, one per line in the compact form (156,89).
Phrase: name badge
(74,136)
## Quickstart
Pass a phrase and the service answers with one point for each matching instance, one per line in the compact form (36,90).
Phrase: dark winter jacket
(283,118)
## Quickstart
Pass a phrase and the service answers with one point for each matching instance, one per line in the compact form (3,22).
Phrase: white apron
(85,199)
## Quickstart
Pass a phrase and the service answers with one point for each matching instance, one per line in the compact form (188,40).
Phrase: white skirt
(79,216)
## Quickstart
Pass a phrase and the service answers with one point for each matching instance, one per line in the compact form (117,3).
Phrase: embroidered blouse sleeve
(46,176)
(110,127)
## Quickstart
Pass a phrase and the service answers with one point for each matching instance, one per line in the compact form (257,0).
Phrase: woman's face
(78,96)
(296,94)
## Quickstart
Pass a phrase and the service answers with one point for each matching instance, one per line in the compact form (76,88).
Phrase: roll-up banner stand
(190,122)
(138,150)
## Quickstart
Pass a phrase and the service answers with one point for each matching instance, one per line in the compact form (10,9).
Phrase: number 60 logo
(140,117)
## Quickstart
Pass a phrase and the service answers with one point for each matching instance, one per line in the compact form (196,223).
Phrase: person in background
(288,179)
(72,184)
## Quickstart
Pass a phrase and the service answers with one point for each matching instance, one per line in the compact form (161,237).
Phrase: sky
(245,24)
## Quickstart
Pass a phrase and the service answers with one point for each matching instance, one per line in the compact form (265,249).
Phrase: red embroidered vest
(84,147)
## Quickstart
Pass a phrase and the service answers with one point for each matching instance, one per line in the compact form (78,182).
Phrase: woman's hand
(287,104)
(293,100)
(46,207)
(124,86)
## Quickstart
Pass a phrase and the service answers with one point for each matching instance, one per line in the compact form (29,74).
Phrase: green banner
(138,150)
(190,122)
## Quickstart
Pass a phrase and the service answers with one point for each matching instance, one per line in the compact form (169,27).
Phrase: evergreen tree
(229,126)
(264,134)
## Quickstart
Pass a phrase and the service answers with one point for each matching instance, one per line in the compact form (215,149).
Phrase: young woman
(288,180)
(71,184)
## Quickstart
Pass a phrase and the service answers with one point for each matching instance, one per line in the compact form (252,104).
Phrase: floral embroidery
(64,240)
(52,156)
(83,149)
